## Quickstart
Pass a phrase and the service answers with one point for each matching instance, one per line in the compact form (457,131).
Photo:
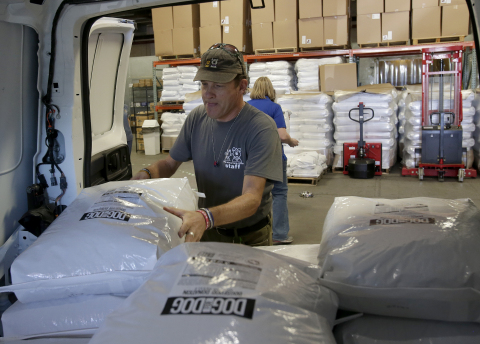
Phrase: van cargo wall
(18,121)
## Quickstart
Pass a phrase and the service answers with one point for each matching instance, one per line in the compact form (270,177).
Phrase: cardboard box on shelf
(426,22)
(262,36)
(424,3)
(186,41)
(286,10)
(210,13)
(264,15)
(369,6)
(139,133)
(310,33)
(186,16)
(341,76)
(285,34)
(455,20)
(335,8)
(239,36)
(369,28)
(142,118)
(396,26)
(452,2)
(163,42)
(209,35)
(168,141)
(397,5)
(162,18)
(335,30)
(235,12)
(309,9)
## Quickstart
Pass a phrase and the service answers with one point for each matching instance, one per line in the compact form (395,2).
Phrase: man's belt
(229,232)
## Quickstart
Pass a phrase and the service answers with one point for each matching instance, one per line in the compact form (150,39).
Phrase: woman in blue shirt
(263,96)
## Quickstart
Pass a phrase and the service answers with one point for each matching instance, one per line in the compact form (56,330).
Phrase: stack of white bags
(280,73)
(97,252)
(401,122)
(413,127)
(172,122)
(476,147)
(178,81)
(381,129)
(307,72)
(386,258)
(310,122)
(306,165)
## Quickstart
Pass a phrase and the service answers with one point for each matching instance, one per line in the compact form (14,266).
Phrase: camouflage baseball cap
(221,63)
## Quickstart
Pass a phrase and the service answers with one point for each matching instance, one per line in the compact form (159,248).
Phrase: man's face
(221,100)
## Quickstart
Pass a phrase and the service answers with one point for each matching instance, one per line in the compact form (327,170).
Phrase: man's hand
(193,223)
(141,175)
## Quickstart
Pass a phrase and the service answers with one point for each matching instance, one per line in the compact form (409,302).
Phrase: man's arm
(286,138)
(160,169)
(237,209)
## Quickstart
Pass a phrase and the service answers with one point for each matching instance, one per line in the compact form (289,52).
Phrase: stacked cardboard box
(262,26)
(455,18)
(310,24)
(396,21)
(426,19)
(369,23)
(336,22)
(210,28)
(176,30)
(285,33)
(235,21)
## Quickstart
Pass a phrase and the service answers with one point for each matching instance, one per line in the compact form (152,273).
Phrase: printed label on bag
(388,221)
(241,307)
(114,204)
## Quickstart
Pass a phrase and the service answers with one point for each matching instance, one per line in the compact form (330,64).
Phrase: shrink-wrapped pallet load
(308,72)
(310,122)
(280,73)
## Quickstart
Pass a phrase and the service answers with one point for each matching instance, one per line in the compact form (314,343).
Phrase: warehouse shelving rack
(352,55)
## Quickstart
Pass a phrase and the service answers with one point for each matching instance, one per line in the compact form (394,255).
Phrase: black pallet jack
(362,160)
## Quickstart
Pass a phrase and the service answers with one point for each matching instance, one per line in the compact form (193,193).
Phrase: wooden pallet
(308,49)
(392,44)
(335,47)
(178,57)
(275,51)
(165,151)
(438,40)
(383,44)
(303,181)
(171,102)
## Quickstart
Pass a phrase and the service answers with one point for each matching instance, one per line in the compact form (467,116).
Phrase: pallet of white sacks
(305,180)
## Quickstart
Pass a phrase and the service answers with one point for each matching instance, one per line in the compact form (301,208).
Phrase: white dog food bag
(371,329)
(86,312)
(224,293)
(105,242)
(413,257)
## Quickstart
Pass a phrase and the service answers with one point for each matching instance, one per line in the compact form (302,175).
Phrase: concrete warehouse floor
(307,214)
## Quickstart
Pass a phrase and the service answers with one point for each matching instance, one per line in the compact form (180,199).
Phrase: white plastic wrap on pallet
(375,329)
(106,241)
(225,293)
(306,252)
(387,257)
(307,72)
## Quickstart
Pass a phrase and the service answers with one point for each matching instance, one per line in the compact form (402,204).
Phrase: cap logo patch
(212,63)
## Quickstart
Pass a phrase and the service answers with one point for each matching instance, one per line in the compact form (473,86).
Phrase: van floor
(307,214)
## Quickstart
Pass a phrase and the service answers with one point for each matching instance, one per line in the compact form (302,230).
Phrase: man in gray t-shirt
(236,153)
